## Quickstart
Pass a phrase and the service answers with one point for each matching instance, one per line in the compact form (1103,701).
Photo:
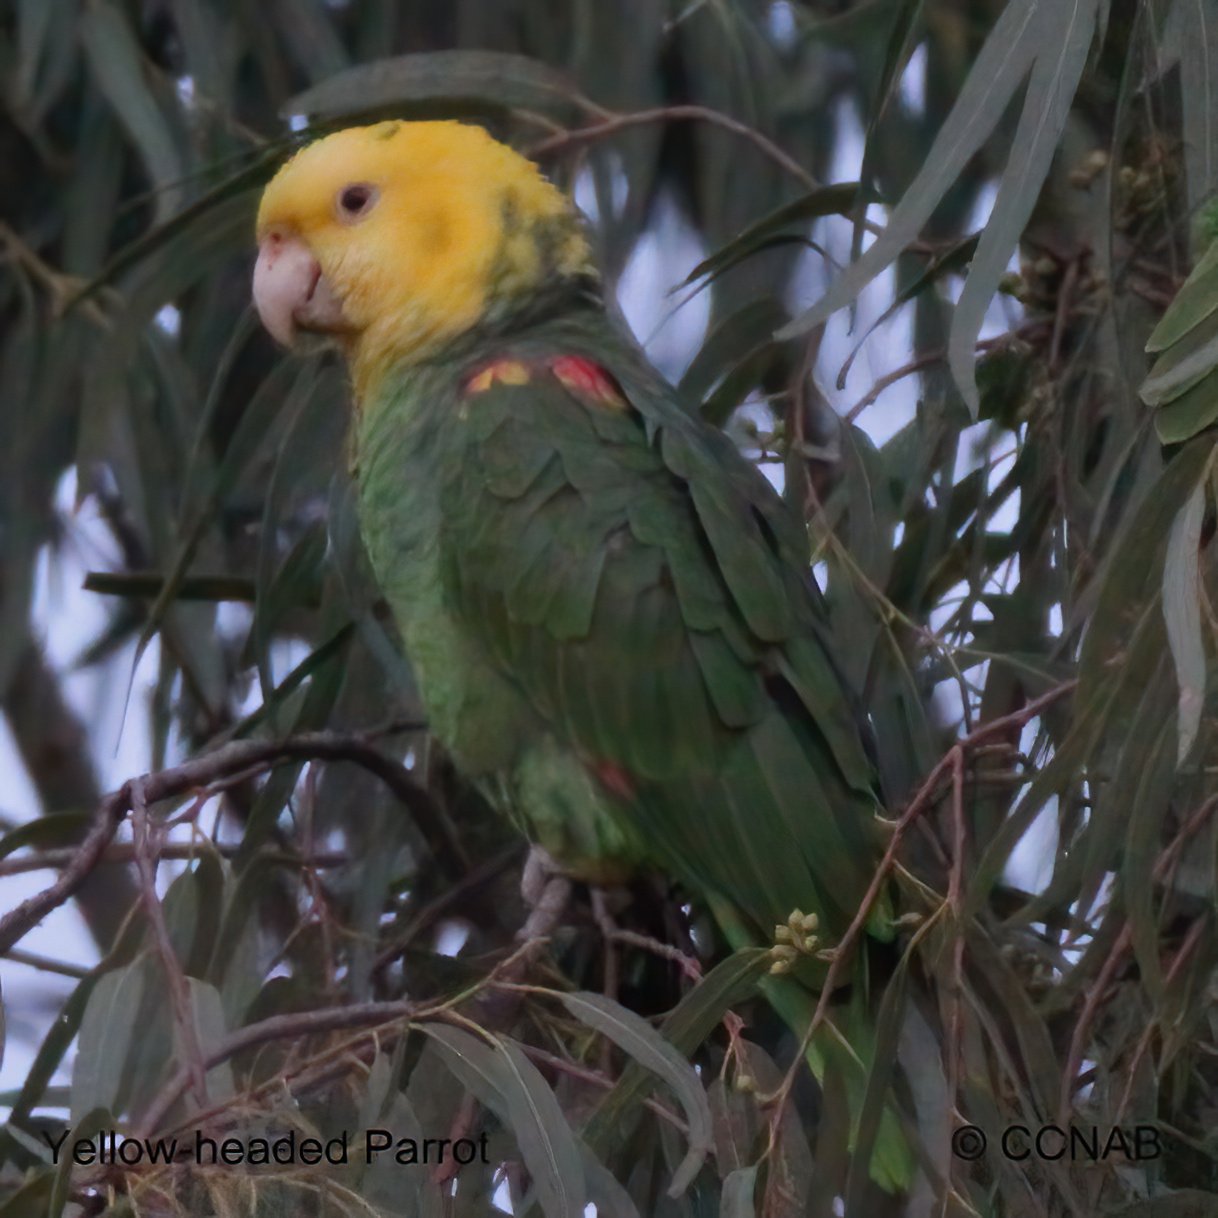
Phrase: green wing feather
(649,593)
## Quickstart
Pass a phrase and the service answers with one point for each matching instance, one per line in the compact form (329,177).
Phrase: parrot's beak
(290,291)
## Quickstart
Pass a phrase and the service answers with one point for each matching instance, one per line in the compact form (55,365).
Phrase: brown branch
(124,853)
(614,123)
(891,378)
(937,356)
(275,1027)
(666,951)
(200,772)
(46,964)
(608,927)
(17,922)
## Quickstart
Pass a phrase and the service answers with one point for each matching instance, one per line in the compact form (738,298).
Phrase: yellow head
(398,237)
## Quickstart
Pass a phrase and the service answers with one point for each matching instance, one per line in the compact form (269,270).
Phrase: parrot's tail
(843,1049)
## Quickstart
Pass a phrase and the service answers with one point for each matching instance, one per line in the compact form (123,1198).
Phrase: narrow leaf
(545,1138)
(1063,36)
(1182,614)
(1190,37)
(106,1034)
(1001,66)
(493,79)
(637,1038)
(737,1200)
(507,1083)
(117,64)
(688,1024)
(834,200)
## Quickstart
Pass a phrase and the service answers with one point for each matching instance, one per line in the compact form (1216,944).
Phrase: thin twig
(921,800)
(666,951)
(614,123)
(955,889)
(31,911)
(186,1030)
(468,883)
(1061,315)
(198,773)
(46,965)
(124,853)
(609,930)
(1163,867)
(598,1079)
(275,1027)
(1186,949)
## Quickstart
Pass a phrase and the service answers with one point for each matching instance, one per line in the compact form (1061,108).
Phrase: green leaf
(33,1197)
(545,1138)
(737,1200)
(1190,38)
(639,1040)
(1196,300)
(493,80)
(1000,68)
(208,1011)
(107,1032)
(1063,36)
(1182,615)
(47,832)
(506,1082)
(731,341)
(281,387)
(902,41)
(117,64)
(1049,38)
(687,1025)
(604,1190)
(835,200)
(88,1126)
(1184,363)
(1190,413)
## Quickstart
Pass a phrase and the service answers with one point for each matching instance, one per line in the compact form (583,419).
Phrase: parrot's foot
(546,892)
(539,869)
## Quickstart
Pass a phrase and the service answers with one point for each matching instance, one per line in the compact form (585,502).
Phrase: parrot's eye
(356,201)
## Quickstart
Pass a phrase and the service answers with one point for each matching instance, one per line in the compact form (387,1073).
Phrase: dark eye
(356,200)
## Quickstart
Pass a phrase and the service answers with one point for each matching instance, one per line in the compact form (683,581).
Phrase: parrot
(609,612)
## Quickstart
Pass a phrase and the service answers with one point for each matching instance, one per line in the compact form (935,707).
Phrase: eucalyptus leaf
(1182,615)
(637,1038)
(491,79)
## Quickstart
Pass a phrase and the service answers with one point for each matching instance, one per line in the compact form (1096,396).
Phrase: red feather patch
(588,379)
(614,778)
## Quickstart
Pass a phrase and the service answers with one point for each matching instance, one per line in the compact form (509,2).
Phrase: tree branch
(200,772)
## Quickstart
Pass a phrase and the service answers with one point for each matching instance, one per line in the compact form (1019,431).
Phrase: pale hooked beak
(290,292)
